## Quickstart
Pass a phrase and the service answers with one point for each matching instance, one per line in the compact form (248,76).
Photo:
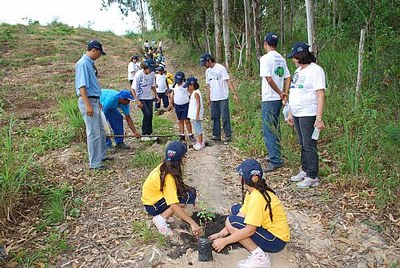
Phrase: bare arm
(320,107)
(232,89)
(237,236)
(89,108)
(197,97)
(178,210)
(273,85)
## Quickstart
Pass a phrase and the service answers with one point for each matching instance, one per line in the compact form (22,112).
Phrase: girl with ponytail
(259,224)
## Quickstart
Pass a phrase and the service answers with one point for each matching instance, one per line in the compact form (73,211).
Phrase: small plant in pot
(205,215)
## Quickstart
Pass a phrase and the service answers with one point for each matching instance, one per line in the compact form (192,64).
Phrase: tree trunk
(217,29)
(256,27)
(248,66)
(360,64)
(310,25)
(291,18)
(206,31)
(226,34)
(282,24)
(142,17)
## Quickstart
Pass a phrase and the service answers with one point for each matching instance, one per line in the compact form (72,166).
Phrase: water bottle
(315,134)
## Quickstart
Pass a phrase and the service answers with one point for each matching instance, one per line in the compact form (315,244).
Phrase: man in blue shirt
(88,90)
(111,100)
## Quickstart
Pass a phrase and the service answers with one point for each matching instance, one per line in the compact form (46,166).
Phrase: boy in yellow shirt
(164,192)
(260,224)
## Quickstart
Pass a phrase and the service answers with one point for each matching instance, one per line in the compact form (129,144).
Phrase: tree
(310,25)
(248,68)
(226,32)
(217,29)
(256,27)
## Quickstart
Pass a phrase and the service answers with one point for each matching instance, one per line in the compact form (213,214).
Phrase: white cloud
(72,12)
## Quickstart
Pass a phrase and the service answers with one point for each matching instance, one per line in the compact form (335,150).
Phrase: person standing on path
(133,67)
(112,100)
(88,90)
(219,83)
(160,46)
(307,99)
(146,46)
(162,88)
(144,92)
(196,111)
(274,88)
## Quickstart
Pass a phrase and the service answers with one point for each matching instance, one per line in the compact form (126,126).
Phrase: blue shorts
(264,239)
(161,205)
(198,126)
(182,111)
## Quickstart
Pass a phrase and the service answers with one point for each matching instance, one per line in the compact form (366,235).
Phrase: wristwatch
(319,119)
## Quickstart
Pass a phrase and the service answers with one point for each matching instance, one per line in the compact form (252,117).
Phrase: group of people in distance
(260,223)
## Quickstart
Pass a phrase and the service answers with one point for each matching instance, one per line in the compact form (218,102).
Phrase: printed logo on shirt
(279,71)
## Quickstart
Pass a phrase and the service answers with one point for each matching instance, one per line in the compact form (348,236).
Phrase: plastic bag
(105,124)
(285,111)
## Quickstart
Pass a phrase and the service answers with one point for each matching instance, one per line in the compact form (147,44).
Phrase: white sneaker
(162,225)
(298,177)
(258,260)
(308,182)
(198,146)
(145,139)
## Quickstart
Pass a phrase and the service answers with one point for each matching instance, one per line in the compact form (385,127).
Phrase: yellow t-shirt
(255,214)
(151,189)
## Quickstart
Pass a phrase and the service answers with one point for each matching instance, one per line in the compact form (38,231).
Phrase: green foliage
(15,163)
(70,110)
(145,159)
(163,125)
(147,234)
(44,139)
(55,209)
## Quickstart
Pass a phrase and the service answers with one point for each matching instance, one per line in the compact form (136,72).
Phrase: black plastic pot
(205,250)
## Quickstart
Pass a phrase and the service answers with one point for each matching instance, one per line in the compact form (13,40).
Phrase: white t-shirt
(181,95)
(160,44)
(216,78)
(193,106)
(132,67)
(142,84)
(161,81)
(272,65)
(303,90)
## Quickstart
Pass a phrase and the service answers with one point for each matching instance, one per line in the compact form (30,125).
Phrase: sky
(84,13)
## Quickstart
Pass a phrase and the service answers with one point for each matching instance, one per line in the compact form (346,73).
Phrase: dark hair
(305,57)
(263,188)
(175,170)
(212,59)
(272,44)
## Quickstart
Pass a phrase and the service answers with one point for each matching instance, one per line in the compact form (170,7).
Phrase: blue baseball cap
(249,168)
(191,81)
(271,38)
(179,77)
(149,63)
(160,68)
(205,57)
(135,57)
(125,94)
(298,47)
(175,151)
(96,44)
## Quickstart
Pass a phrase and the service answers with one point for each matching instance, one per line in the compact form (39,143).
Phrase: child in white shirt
(196,110)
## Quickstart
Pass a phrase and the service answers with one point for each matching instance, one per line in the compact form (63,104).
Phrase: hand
(158,100)
(290,120)
(139,104)
(319,124)
(284,98)
(208,102)
(235,97)
(196,230)
(219,244)
(216,236)
(89,110)
(137,135)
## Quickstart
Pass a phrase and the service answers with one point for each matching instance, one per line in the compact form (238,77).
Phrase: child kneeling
(164,192)
(260,224)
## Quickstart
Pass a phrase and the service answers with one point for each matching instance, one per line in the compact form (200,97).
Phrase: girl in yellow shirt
(164,192)
(260,224)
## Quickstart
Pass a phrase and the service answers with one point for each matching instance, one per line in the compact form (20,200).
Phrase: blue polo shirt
(109,100)
(85,76)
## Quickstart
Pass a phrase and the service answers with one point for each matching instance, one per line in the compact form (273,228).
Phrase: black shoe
(191,138)
(214,138)
(272,167)
(108,158)
(122,146)
(100,167)
(182,138)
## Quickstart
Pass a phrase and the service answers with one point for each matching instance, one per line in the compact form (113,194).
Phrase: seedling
(205,215)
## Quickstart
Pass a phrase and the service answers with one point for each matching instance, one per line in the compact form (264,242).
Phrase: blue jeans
(220,109)
(115,119)
(309,155)
(147,122)
(262,237)
(164,98)
(271,131)
(95,134)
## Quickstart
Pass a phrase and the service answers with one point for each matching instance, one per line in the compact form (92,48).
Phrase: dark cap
(135,57)
(249,168)
(191,81)
(271,38)
(298,47)
(96,44)
(203,58)
(175,151)
(125,94)
(149,63)
(160,68)
(179,77)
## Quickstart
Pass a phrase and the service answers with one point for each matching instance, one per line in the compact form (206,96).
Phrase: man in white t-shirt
(274,88)
(219,83)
